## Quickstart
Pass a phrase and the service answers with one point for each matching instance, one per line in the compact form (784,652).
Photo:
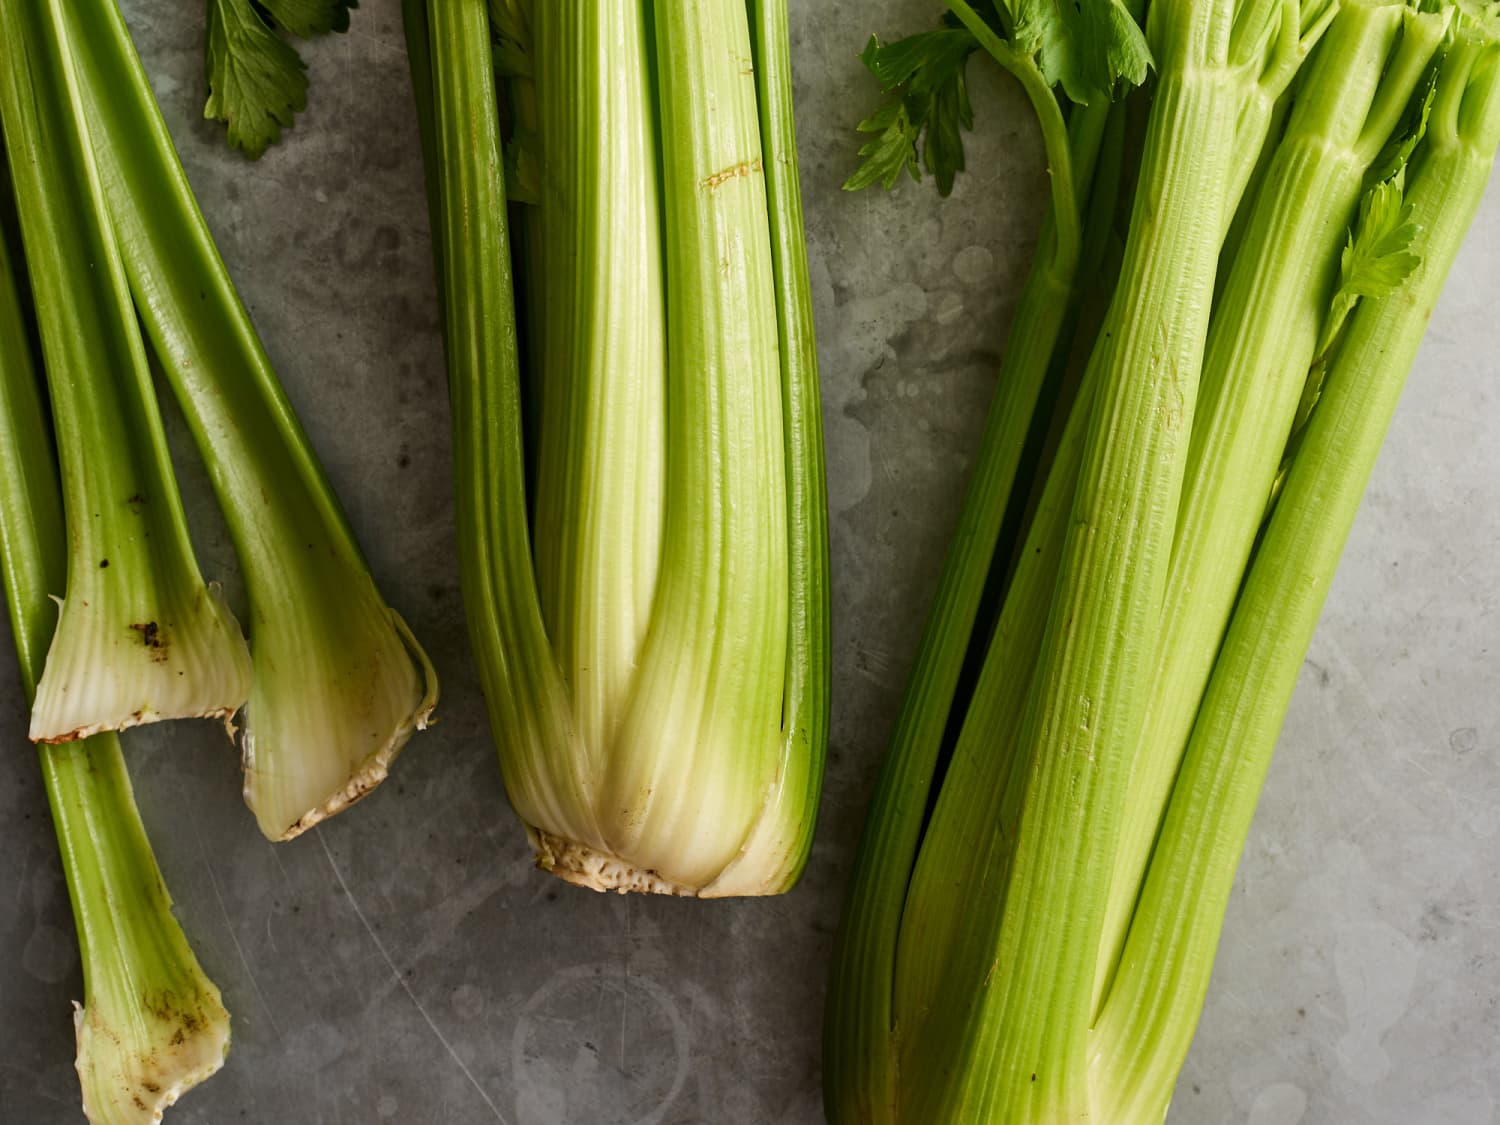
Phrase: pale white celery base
(331,707)
(125,1086)
(113,665)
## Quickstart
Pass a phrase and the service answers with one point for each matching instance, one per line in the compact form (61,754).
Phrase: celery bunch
(638,456)
(1050,849)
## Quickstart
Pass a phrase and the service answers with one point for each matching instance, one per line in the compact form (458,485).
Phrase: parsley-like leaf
(1088,47)
(257,82)
(924,76)
(1378,256)
(1376,260)
(307,18)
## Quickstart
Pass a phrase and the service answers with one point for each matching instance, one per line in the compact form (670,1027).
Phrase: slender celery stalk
(600,481)
(140,636)
(339,682)
(777,851)
(1265,327)
(1148,1020)
(958,885)
(1020,1050)
(524,691)
(860,1074)
(152,1024)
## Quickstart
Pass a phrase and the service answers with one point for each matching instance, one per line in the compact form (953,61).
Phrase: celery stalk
(861,1067)
(699,748)
(654,647)
(152,1024)
(140,636)
(777,851)
(339,682)
(601,309)
(1149,1017)
(1029,1023)
(1264,331)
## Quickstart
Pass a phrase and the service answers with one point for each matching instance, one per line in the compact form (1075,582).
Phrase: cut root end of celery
(585,866)
(121,1086)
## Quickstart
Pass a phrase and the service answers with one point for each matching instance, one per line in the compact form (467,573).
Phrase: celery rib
(1164,971)
(140,636)
(152,1024)
(1086,707)
(1261,343)
(339,682)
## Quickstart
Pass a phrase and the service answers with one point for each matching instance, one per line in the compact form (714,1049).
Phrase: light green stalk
(700,747)
(776,852)
(1019,1053)
(140,636)
(1261,343)
(339,682)
(600,490)
(1149,1017)
(152,1024)
(658,688)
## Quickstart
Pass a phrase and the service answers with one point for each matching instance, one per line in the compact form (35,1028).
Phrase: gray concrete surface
(405,964)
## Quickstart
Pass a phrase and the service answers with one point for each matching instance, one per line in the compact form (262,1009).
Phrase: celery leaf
(307,18)
(1088,47)
(924,74)
(1378,256)
(257,82)
(1375,261)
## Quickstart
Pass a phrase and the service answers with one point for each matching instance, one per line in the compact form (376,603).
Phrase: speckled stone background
(404,963)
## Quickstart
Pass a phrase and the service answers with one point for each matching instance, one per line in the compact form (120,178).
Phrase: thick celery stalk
(1265,328)
(339,682)
(1019,1046)
(1148,1019)
(140,636)
(657,671)
(152,1024)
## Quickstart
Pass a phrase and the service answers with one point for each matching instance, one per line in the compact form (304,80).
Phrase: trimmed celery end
(140,636)
(339,682)
(152,1024)
(657,671)
(1260,345)
(1148,1020)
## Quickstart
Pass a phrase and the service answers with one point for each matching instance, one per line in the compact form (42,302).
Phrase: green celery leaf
(1088,47)
(307,18)
(509,21)
(1378,256)
(925,75)
(257,83)
(1377,259)
(891,152)
(523,168)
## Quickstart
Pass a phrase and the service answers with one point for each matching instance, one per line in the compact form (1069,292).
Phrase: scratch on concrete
(401,980)
(213,881)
